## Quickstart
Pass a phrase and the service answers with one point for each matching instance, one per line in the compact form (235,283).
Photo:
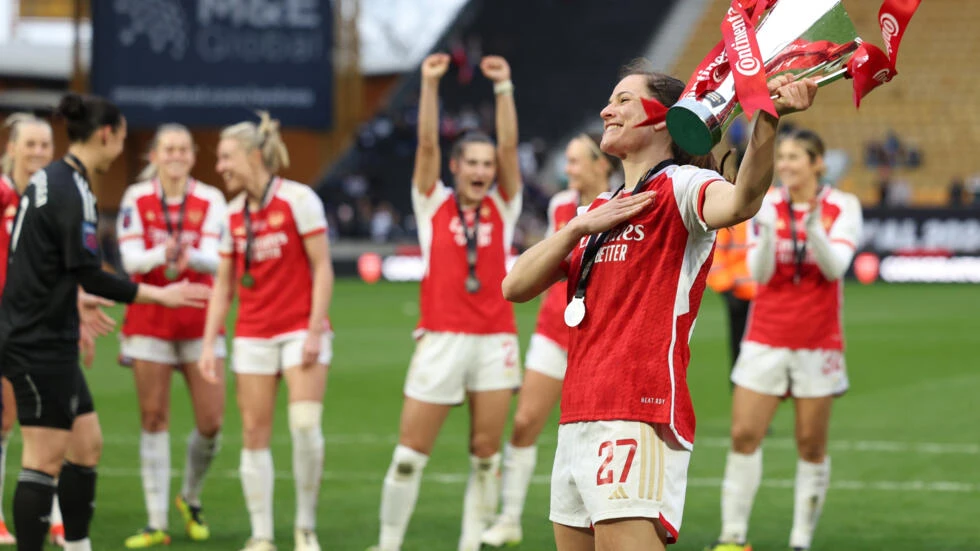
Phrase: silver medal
(472,284)
(575,312)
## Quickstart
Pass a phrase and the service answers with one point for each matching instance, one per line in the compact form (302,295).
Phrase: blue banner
(214,62)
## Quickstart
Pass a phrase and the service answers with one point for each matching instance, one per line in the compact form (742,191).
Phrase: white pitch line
(544,480)
(873,446)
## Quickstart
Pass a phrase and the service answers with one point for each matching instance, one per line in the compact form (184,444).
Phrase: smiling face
(233,164)
(796,167)
(621,136)
(173,154)
(33,148)
(474,171)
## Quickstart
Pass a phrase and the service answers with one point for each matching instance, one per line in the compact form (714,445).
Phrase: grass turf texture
(912,361)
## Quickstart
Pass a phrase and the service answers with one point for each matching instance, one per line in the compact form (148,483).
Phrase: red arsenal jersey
(807,314)
(8,206)
(628,358)
(142,222)
(551,320)
(280,300)
(446,306)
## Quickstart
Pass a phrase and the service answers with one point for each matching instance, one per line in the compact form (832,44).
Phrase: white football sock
(516,477)
(305,428)
(200,453)
(80,545)
(480,500)
(56,512)
(155,470)
(258,484)
(399,494)
(743,474)
(812,480)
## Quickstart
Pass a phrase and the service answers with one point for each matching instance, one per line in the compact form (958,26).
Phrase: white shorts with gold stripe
(618,469)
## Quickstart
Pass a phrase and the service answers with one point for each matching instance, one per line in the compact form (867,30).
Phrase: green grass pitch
(905,440)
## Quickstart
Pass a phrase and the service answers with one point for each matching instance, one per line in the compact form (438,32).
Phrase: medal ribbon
(180,213)
(249,233)
(596,240)
(471,239)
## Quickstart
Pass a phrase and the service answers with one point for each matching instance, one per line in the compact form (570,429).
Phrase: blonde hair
(264,137)
(13,123)
(150,171)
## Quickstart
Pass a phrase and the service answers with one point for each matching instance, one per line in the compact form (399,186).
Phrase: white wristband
(504,87)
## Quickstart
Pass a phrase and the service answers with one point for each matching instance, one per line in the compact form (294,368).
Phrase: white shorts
(545,356)
(152,349)
(447,365)
(255,356)
(618,469)
(787,372)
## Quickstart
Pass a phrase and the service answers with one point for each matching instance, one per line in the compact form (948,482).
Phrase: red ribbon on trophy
(870,67)
(738,31)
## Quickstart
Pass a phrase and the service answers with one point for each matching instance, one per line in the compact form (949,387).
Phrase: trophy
(765,38)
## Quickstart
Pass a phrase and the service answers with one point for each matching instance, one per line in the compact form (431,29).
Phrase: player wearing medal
(801,243)
(627,423)
(54,249)
(467,341)
(276,256)
(168,229)
(588,171)
(30,147)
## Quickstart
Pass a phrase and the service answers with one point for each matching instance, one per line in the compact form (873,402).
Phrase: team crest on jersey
(150,216)
(276,219)
(195,216)
(780,224)
(89,239)
(484,211)
(238,232)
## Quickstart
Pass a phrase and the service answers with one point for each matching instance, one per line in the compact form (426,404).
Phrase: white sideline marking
(874,446)
(543,480)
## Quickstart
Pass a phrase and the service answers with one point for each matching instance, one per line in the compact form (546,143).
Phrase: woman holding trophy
(627,424)
(801,243)
(168,229)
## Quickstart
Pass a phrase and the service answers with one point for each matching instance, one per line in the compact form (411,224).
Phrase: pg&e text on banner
(213,62)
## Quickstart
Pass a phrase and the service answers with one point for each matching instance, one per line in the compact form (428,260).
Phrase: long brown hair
(667,90)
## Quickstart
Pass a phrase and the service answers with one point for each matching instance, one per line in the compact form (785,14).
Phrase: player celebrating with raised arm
(467,337)
(802,242)
(627,422)
(276,255)
(168,229)
(53,249)
(588,171)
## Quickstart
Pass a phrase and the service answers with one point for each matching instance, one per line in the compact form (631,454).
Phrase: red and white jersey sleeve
(628,358)
(551,321)
(446,306)
(9,200)
(142,233)
(804,314)
(280,300)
